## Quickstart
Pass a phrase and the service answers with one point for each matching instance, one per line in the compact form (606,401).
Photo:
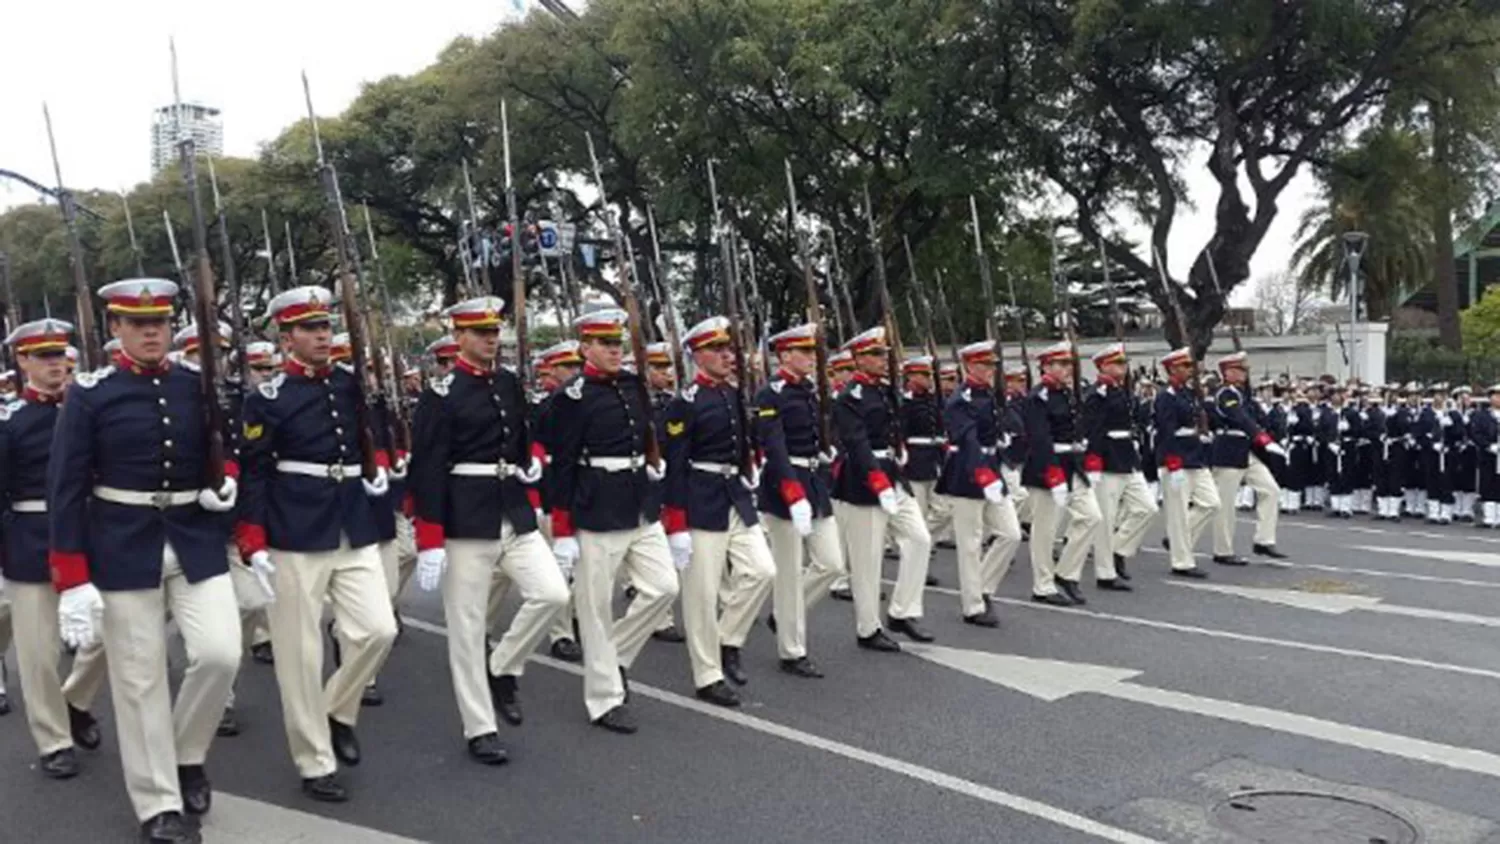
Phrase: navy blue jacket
(865,417)
(973,424)
(595,415)
(922,420)
(141,430)
(1051,438)
(1235,427)
(25,443)
(1109,425)
(1177,429)
(703,426)
(786,426)
(311,419)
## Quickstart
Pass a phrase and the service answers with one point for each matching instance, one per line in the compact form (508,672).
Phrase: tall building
(202,122)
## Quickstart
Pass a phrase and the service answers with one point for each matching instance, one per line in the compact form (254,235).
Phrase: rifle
(942,300)
(838,270)
(632,307)
(271,281)
(1060,279)
(1169,289)
(894,353)
(753,313)
(1114,308)
(668,310)
(916,283)
(477,242)
(204,300)
(177,258)
(87,334)
(1213,274)
(814,316)
(389,376)
(348,270)
(12,312)
(231,280)
(1010,282)
(741,370)
(992,316)
(291,255)
(517,277)
(135,247)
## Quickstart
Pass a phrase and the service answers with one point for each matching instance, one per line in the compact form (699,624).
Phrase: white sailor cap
(1113,353)
(72,354)
(41,335)
(260,351)
(867,342)
(151,297)
(1055,353)
(658,354)
(1235,360)
(947,367)
(340,349)
(479,312)
(713,331)
(1177,357)
(186,338)
(562,354)
(917,365)
(605,324)
(803,336)
(841,359)
(308,303)
(981,352)
(112,346)
(443,347)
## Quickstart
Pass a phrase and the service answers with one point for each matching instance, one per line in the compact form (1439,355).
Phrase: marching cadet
(710,518)
(606,514)
(941,527)
(1055,476)
(1484,427)
(840,372)
(472,458)
(1190,497)
(1464,462)
(1239,454)
(260,367)
(1413,480)
(443,351)
(8,388)
(1013,442)
(57,712)
(1145,429)
(309,520)
(1431,430)
(661,379)
(922,424)
(133,536)
(1338,432)
(1303,465)
(1386,431)
(794,496)
(1366,444)
(975,487)
(873,496)
(1126,506)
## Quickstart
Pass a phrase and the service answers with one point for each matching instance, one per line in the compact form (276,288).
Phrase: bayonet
(991,323)
(231,279)
(814,316)
(135,246)
(664,302)
(265,228)
(87,335)
(895,353)
(476,238)
(518,277)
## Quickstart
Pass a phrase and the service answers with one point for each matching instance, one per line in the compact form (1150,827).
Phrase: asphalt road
(1356,682)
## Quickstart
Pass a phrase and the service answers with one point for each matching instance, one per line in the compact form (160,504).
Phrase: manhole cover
(1304,817)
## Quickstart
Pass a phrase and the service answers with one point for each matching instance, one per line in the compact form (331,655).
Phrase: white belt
(1185,432)
(614,464)
(36,505)
(1067,448)
(1233,432)
(984,449)
(714,468)
(332,471)
(804,462)
(483,470)
(925,440)
(1119,435)
(160,499)
(881,453)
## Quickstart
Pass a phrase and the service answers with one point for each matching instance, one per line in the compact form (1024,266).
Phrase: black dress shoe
(1230,560)
(1056,599)
(1166,542)
(1070,589)
(229,725)
(345,743)
(338,650)
(719,694)
(1120,568)
(169,828)
(59,764)
(197,794)
(503,693)
(325,789)
(842,593)
(1268,551)
(84,727)
(669,634)
(933,581)
(1191,574)
(567,650)
(878,641)
(263,654)
(1114,585)
(801,667)
(486,750)
(910,627)
(371,696)
(618,720)
(729,662)
(982,619)
(4,703)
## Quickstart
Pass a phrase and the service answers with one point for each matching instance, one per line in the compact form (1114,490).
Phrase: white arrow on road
(1338,604)
(1473,558)
(1052,680)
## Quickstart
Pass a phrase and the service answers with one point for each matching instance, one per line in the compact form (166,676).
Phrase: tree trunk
(1442,228)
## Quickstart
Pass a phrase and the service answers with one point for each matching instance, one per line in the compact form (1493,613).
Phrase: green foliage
(1481,326)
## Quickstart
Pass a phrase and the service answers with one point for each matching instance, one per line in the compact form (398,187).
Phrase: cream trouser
(1083,519)
(38,646)
(1126,508)
(156,735)
(562,622)
(980,571)
(797,590)
(1020,497)
(936,508)
(1267,493)
(398,557)
(609,645)
(864,531)
(1185,523)
(743,551)
(528,563)
(353,582)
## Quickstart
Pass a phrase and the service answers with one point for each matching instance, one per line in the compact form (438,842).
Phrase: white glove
(1495,448)
(430,565)
(1291,419)
(1060,495)
(262,569)
(378,487)
(827,457)
(1334,447)
(656,473)
(753,482)
(532,473)
(902,455)
(80,614)
(802,517)
(1276,449)
(221,500)
(1177,478)
(682,549)
(398,469)
(1343,425)
(566,550)
(888,501)
(994,491)
(1095,478)
(1445,420)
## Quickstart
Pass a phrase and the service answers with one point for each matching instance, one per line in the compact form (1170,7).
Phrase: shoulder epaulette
(691,392)
(10,407)
(90,380)
(189,365)
(441,385)
(574,390)
(272,388)
(856,391)
(777,384)
(349,368)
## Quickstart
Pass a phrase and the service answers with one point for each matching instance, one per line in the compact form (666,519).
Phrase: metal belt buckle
(161,499)
(336,472)
(502,469)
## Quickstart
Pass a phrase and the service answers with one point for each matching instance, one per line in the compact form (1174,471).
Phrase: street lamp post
(1354,249)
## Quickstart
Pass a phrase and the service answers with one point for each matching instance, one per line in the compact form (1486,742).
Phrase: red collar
(473,369)
(977,382)
(135,367)
(292,366)
(1049,381)
(597,374)
(865,378)
(918,391)
(1107,380)
(788,376)
(32,394)
(703,380)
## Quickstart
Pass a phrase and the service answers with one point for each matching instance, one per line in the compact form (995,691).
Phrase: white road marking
(1052,680)
(241,820)
(958,785)
(1397,575)
(1337,604)
(1284,521)
(1473,558)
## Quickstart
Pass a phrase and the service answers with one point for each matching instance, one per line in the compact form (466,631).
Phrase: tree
(1283,304)
(1481,326)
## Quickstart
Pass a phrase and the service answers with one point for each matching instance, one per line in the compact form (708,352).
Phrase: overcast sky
(103,67)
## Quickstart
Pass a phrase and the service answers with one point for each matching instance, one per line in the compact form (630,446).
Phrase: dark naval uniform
(1055,476)
(1239,455)
(922,425)
(1189,495)
(1126,505)
(1484,428)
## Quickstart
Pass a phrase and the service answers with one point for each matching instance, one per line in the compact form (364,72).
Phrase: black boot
(567,650)
(325,789)
(878,641)
(842,593)
(503,693)
(84,727)
(1071,590)
(487,750)
(197,794)
(669,634)
(911,628)
(229,725)
(1268,551)
(729,661)
(345,743)
(1120,568)
(719,694)
(1116,585)
(1056,599)
(338,650)
(1230,560)
(801,667)
(169,828)
(618,720)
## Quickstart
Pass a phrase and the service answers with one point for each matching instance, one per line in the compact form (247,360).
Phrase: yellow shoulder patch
(767,412)
(254,432)
(675,429)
